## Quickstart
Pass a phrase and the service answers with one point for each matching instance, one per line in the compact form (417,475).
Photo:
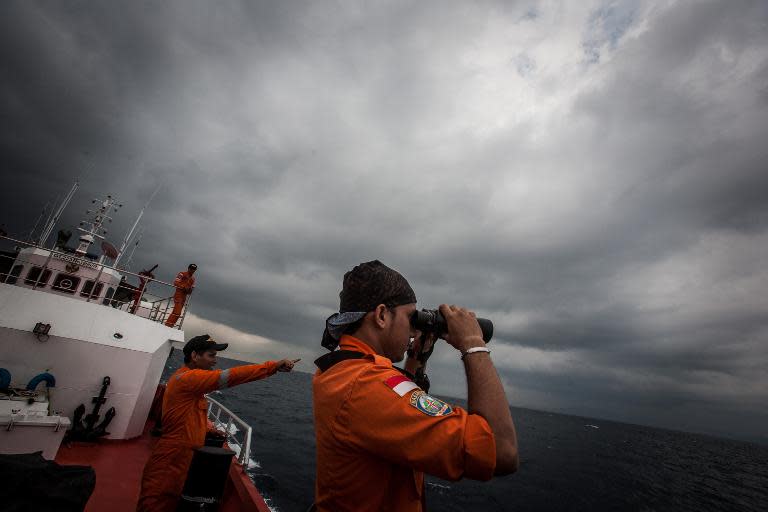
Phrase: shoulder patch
(400,384)
(430,405)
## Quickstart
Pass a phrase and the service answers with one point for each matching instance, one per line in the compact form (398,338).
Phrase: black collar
(337,356)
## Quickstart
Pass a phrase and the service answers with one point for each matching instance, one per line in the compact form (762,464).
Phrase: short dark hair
(188,357)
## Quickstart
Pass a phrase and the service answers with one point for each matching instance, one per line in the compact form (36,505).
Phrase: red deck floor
(119,464)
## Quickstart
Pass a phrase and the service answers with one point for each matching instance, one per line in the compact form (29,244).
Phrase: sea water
(568,463)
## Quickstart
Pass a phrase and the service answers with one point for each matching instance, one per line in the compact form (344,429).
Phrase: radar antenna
(92,229)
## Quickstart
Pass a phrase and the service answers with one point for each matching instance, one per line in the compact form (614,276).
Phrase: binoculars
(432,321)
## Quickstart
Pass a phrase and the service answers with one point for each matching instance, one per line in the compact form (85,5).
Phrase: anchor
(88,430)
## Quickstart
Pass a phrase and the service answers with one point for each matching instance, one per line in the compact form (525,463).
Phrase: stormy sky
(589,175)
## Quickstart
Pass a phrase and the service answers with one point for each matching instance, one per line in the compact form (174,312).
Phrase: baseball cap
(202,343)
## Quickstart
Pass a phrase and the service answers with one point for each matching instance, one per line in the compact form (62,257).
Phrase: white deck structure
(60,314)
(81,349)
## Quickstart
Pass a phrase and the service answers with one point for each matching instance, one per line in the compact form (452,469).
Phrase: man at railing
(123,294)
(184,283)
(144,276)
(184,417)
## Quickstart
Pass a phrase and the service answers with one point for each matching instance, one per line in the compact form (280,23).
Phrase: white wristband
(473,350)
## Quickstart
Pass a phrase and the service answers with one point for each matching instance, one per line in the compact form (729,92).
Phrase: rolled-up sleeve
(479,449)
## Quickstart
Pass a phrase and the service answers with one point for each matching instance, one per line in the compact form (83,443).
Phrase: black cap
(192,266)
(372,283)
(202,343)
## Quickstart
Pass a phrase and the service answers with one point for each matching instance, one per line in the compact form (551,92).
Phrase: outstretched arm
(250,372)
(205,381)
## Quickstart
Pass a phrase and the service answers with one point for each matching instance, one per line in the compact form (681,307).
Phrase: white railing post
(245,446)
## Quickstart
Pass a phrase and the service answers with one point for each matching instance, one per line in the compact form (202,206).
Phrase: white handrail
(158,309)
(215,410)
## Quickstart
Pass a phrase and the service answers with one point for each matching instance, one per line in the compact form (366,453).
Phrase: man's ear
(380,316)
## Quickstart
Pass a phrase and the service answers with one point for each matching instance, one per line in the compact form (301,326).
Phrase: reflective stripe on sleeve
(224,379)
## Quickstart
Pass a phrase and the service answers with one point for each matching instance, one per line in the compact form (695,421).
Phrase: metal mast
(52,222)
(127,265)
(127,238)
(92,229)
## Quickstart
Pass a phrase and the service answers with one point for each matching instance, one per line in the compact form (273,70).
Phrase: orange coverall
(378,433)
(184,426)
(184,283)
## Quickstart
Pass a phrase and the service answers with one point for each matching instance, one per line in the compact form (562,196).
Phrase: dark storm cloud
(589,176)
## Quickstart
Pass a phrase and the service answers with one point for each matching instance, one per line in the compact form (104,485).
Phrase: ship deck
(119,465)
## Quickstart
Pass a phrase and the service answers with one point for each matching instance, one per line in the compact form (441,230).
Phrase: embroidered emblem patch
(430,405)
(400,385)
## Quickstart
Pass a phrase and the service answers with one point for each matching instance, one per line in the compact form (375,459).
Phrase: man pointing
(185,418)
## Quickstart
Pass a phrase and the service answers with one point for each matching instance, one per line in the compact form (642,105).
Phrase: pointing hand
(286,365)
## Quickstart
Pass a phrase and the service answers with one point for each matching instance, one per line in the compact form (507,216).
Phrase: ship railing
(153,308)
(229,424)
(150,298)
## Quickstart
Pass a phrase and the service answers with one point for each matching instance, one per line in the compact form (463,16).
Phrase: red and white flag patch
(400,384)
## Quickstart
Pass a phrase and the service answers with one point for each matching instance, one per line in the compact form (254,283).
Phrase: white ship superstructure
(83,343)
(72,315)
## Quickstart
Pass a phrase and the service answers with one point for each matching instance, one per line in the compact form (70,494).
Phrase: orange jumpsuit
(184,426)
(378,433)
(184,283)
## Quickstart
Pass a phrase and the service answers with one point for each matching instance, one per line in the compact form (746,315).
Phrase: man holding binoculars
(377,431)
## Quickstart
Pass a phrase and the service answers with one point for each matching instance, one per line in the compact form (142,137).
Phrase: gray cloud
(589,176)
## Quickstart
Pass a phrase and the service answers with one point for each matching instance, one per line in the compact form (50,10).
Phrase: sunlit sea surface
(568,463)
